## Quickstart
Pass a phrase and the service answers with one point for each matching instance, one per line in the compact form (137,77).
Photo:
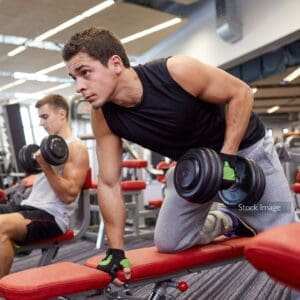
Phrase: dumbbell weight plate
(193,174)
(263,184)
(259,184)
(243,190)
(215,176)
(28,163)
(54,150)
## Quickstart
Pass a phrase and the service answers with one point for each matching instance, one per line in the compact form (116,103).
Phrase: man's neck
(65,132)
(129,91)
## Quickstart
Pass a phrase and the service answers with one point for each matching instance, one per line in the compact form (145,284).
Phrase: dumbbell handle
(229,174)
(54,151)
(27,161)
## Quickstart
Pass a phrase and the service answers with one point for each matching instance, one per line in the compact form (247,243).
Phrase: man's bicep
(203,81)
(220,86)
(76,168)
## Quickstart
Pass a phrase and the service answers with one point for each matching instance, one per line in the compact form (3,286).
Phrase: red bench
(277,252)
(149,266)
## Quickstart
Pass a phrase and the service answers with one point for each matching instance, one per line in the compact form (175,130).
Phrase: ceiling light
(22,41)
(273,109)
(16,51)
(51,68)
(19,97)
(65,25)
(292,76)
(10,85)
(43,71)
(35,77)
(150,30)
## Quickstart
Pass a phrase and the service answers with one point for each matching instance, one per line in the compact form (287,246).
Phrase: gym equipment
(148,266)
(276,251)
(198,178)
(198,175)
(249,187)
(54,150)
(290,167)
(2,196)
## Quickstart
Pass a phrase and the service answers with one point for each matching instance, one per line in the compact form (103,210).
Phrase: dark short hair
(98,43)
(56,102)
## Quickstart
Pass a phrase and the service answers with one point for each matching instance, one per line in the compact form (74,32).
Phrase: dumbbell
(53,148)
(198,178)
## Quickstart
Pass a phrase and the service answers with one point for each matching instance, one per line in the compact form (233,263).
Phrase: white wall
(263,21)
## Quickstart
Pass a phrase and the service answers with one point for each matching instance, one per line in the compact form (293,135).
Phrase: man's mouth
(89,98)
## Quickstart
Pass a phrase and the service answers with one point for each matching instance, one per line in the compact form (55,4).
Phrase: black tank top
(169,120)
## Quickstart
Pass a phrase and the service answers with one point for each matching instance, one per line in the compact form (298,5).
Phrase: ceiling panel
(271,91)
(31,60)
(31,18)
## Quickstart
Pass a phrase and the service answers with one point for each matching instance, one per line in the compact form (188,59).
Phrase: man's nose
(80,86)
(41,122)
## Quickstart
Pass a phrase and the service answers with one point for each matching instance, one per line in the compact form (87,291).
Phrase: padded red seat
(67,236)
(277,252)
(2,196)
(133,185)
(148,263)
(51,281)
(127,185)
(89,183)
(296,187)
(298,176)
(155,202)
(165,166)
(134,163)
(66,278)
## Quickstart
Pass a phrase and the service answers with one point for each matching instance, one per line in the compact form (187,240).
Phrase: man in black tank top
(168,106)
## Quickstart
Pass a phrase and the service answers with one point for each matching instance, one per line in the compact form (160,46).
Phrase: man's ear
(116,63)
(62,114)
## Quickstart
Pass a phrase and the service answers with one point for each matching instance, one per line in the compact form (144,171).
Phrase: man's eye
(85,73)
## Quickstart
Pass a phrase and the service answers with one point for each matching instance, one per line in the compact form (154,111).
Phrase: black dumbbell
(198,178)
(53,148)
(249,186)
(198,175)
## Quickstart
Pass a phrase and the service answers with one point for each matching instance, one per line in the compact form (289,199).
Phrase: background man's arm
(67,186)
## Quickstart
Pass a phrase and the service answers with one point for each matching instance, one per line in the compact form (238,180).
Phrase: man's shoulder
(156,62)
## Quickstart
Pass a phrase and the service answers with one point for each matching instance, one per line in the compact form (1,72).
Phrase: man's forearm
(112,208)
(61,187)
(238,113)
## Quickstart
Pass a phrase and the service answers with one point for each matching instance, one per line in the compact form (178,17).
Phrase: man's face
(51,119)
(94,81)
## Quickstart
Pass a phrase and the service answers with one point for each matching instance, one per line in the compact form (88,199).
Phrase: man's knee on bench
(216,224)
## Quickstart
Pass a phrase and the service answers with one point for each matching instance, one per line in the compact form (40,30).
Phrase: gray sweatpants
(182,224)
